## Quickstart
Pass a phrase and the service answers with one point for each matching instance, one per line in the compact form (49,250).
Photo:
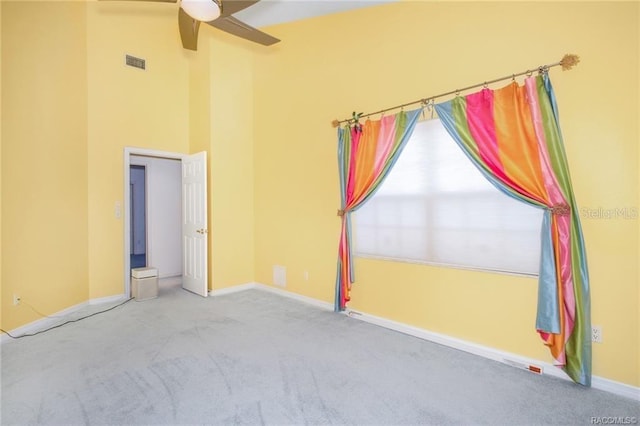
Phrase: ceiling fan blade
(188,30)
(240,29)
(229,7)
(157,1)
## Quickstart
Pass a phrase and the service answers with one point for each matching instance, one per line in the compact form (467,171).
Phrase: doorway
(175,228)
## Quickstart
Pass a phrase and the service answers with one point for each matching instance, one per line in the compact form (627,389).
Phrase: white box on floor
(144,283)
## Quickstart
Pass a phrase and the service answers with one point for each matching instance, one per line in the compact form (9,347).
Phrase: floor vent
(132,61)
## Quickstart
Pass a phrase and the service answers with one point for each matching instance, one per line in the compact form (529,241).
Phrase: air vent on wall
(132,61)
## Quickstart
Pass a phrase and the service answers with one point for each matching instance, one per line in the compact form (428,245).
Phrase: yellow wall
(1,287)
(327,67)
(221,123)
(638,172)
(128,107)
(44,150)
(232,194)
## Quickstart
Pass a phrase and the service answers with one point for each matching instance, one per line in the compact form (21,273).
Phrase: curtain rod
(567,62)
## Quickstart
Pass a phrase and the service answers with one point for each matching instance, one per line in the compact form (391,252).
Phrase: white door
(194,223)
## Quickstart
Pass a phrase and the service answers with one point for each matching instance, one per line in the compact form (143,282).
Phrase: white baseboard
(108,299)
(234,289)
(304,299)
(276,290)
(508,358)
(169,275)
(617,388)
(43,323)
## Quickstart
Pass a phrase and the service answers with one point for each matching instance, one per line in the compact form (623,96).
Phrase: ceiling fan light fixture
(202,10)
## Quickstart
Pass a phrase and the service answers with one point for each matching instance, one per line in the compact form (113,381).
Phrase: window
(436,207)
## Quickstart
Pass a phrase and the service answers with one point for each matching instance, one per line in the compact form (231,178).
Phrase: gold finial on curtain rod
(567,62)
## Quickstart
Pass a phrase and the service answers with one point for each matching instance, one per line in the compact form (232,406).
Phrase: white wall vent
(279,275)
(132,61)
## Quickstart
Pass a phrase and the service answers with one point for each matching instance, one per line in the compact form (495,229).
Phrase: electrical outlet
(306,275)
(16,300)
(596,334)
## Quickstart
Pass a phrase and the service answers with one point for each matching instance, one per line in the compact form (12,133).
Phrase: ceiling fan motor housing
(202,10)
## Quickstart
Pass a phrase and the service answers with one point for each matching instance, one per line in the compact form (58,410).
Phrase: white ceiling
(271,12)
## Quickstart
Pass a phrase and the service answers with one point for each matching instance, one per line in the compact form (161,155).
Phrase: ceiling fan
(218,14)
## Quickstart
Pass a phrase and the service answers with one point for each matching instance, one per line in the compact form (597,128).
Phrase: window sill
(446,265)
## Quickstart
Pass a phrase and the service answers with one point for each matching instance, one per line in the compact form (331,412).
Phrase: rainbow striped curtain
(513,137)
(366,154)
